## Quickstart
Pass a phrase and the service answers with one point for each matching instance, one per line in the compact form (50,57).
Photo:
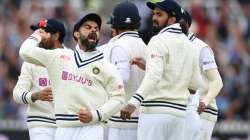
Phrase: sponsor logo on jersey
(155,56)
(208,62)
(43,82)
(80,79)
(65,57)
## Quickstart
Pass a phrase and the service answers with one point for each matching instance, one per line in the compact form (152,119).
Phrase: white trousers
(92,132)
(122,134)
(192,119)
(206,130)
(42,133)
(195,127)
(160,127)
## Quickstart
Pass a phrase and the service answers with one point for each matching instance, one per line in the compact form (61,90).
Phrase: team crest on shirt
(96,70)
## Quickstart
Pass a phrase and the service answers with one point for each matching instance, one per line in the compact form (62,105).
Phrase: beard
(90,45)
(157,27)
(47,44)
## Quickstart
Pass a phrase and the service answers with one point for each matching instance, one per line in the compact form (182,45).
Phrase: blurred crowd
(223,24)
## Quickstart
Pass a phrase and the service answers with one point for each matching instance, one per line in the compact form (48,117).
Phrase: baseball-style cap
(89,17)
(51,26)
(125,15)
(169,6)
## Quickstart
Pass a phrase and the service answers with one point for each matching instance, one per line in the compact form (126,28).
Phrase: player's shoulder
(27,65)
(200,43)
(64,53)
(32,67)
(105,64)
(196,41)
(64,50)
(104,47)
(155,38)
(105,67)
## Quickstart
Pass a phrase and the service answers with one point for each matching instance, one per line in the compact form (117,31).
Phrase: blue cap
(169,6)
(89,17)
(125,15)
(187,17)
(51,26)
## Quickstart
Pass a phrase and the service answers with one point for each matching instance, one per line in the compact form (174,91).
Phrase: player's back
(131,44)
(135,47)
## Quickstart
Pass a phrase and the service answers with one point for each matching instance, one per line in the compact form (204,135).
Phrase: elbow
(220,84)
(22,52)
(14,96)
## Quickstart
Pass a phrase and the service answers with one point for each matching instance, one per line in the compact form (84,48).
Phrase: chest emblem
(96,70)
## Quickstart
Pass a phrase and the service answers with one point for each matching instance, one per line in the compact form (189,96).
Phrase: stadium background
(223,24)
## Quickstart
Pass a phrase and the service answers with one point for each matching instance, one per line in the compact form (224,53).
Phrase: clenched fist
(43,95)
(127,111)
(201,107)
(85,115)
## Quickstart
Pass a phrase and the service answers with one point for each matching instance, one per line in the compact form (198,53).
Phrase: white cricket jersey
(34,78)
(169,70)
(207,62)
(78,79)
(119,51)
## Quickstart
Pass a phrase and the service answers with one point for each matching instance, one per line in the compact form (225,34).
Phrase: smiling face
(88,35)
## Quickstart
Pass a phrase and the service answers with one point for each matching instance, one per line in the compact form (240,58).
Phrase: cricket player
(206,103)
(125,45)
(87,89)
(33,86)
(170,68)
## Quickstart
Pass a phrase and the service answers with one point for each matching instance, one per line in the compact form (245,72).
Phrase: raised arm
(30,52)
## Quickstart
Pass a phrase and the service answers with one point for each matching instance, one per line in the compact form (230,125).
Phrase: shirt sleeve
(115,89)
(30,52)
(214,85)
(153,74)
(120,58)
(21,92)
(207,59)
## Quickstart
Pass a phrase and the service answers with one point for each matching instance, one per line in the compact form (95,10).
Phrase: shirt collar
(174,28)
(127,33)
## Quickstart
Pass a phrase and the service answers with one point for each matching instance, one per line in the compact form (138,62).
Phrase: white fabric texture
(122,134)
(42,133)
(160,127)
(93,132)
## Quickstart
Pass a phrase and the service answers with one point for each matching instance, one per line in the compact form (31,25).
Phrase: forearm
(108,109)
(22,96)
(150,81)
(29,49)
(214,86)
